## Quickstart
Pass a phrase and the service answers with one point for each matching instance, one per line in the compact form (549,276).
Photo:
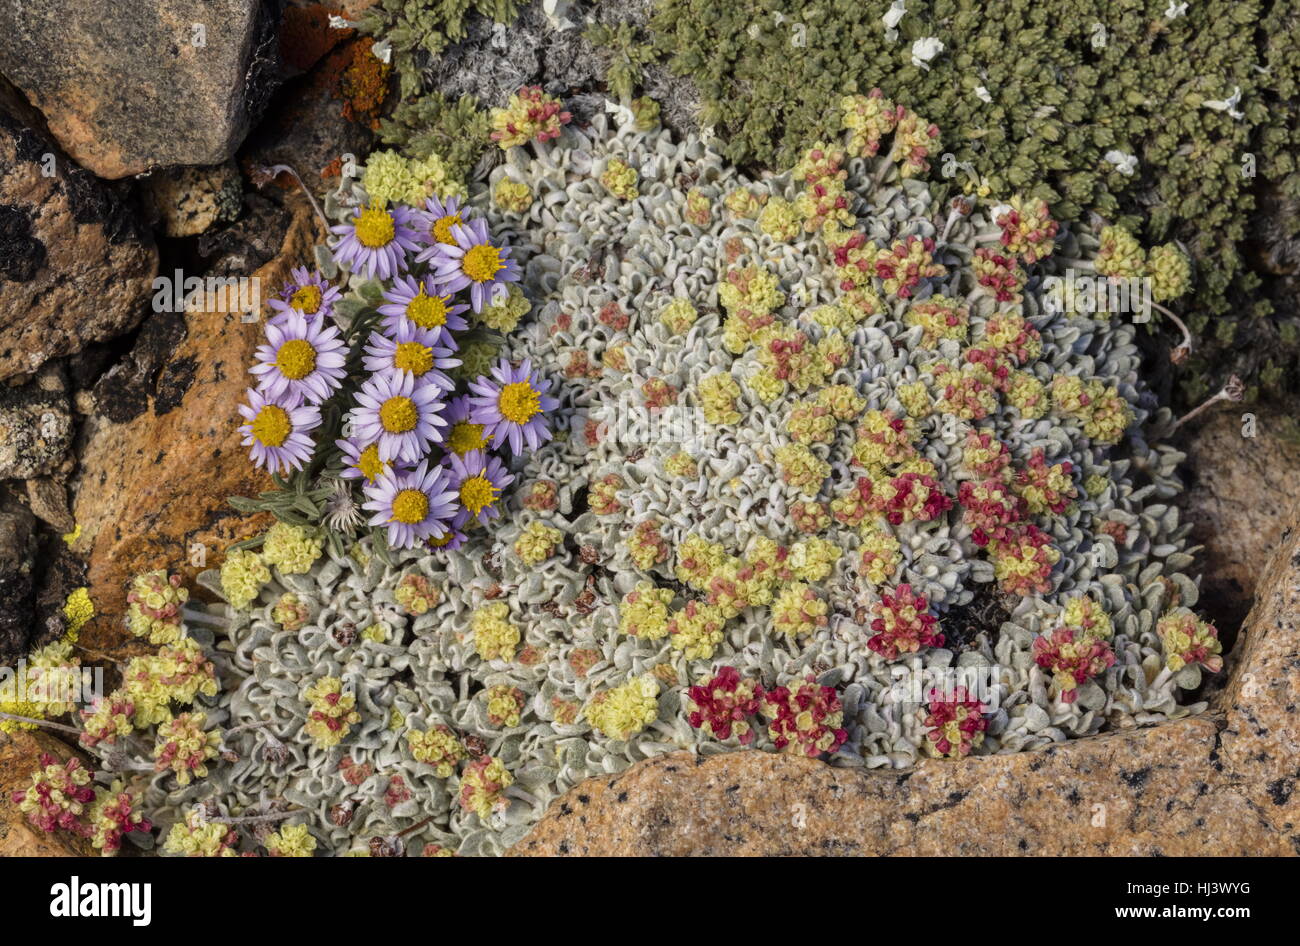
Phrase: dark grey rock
(129,85)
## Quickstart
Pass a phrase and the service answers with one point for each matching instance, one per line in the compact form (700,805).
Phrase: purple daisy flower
(473,261)
(511,405)
(463,435)
(409,303)
(307,292)
(413,504)
(361,462)
(477,479)
(376,241)
(301,361)
(439,218)
(277,432)
(411,351)
(400,415)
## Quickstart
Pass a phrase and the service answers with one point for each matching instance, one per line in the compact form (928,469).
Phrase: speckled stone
(1239,492)
(1219,784)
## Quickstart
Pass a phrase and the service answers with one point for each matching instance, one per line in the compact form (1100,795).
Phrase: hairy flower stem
(1184,348)
(272,171)
(1234,390)
(41,722)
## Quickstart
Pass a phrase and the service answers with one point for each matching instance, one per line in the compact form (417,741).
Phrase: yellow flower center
(398,415)
(518,402)
(413,357)
(410,506)
(482,262)
(441,229)
(440,541)
(375,228)
(465,437)
(427,311)
(369,464)
(477,493)
(296,359)
(271,426)
(307,299)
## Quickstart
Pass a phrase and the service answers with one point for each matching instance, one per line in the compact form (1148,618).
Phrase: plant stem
(41,722)
(1234,390)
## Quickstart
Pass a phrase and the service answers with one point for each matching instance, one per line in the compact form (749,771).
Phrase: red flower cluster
(723,704)
(999,273)
(57,795)
(806,718)
(1072,659)
(989,509)
(903,624)
(955,725)
(912,496)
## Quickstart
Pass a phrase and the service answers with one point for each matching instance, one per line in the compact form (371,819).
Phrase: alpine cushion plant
(367,393)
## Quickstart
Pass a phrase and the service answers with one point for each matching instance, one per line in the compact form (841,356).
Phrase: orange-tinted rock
(152,491)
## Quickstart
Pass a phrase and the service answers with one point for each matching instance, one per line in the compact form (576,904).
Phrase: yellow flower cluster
(243,574)
(514,196)
(749,295)
(291,549)
(197,837)
(644,613)
(292,840)
(503,316)
(1170,272)
(1087,615)
(1120,255)
(867,118)
(699,209)
(620,179)
(780,219)
(537,542)
(417,594)
(1188,640)
(184,746)
(51,671)
(915,399)
(390,178)
(798,610)
(810,422)
(495,638)
(842,401)
(881,555)
(696,630)
(330,712)
(801,468)
(681,463)
(718,394)
(176,674)
(623,711)
(437,746)
(679,315)
(1101,409)
(743,202)
(884,441)
(813,559)
(482,786)
(505,705)
(1027,394)
(940,318)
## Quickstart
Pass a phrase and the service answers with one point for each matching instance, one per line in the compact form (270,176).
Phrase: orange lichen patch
(333,169)
(306,35)
(363,85)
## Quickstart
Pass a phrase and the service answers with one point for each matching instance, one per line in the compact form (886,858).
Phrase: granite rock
(76,264)
(137,84)
(17,552)
(1243,462)
(1223,783)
